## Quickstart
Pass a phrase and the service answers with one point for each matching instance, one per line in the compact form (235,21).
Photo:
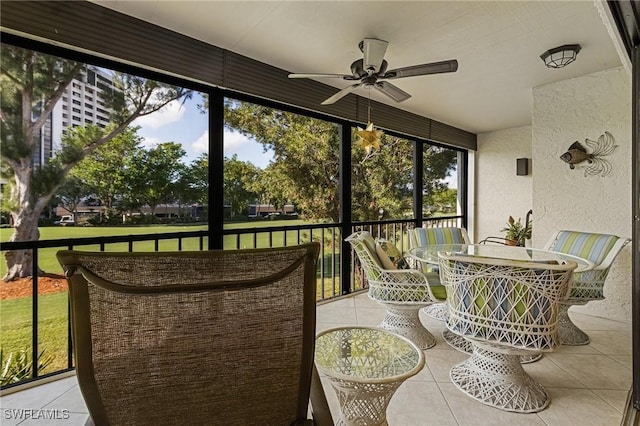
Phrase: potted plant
(516,233)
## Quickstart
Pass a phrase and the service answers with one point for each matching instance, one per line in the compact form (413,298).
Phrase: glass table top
(429,253)
(366,354)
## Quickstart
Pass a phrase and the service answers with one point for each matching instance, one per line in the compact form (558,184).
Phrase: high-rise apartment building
(83,102)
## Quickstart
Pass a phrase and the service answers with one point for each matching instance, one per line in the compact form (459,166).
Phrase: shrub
(18,366)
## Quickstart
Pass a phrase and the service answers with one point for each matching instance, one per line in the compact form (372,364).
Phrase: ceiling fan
(371,71)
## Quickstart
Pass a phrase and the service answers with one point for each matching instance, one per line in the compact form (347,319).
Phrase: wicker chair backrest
(398,285)
(210,337)
(446,235)
(507,303)
(601,249)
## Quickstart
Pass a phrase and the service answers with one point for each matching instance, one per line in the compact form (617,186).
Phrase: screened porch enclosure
(387,194)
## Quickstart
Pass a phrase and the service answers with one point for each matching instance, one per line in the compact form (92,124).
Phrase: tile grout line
(607,402)
(446,401)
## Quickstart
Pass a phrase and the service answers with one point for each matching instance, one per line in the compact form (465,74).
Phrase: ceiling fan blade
(392,91)
(318,76)
(424,69)
(342,93)
(374,51)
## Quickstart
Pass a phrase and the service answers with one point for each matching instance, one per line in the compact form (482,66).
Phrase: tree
(439,163)
(306,165)
(155,171)
(72,192)
(32,83)
(444,200)
(382,180)
(305,170)
(194,181)
(239,179)
(107,169)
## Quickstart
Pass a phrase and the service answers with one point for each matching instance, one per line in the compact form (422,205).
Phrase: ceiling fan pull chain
(369,106)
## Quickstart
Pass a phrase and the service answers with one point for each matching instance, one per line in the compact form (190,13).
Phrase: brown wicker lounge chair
(198,338)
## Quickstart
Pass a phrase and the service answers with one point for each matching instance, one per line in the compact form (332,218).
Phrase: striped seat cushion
(594,247)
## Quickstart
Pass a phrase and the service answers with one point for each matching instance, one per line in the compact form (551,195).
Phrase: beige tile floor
(588,384)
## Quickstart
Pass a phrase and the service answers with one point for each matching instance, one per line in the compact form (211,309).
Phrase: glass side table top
(367,354)
(365,367)
(429,253)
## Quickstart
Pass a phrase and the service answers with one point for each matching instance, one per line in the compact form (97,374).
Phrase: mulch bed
(23,287)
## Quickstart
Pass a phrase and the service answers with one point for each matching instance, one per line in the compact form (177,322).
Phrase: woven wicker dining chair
(403,292)
(601,250)
(506,309)
(422,236)
(199,338)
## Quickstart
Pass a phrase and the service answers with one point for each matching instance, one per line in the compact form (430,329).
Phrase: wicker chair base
(498,380)
(438,311)
(405,321)
(363,403)
(569,333)
(463,345)
(457,342)
(529,358)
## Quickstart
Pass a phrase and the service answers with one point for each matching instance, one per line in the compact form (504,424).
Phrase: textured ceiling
(497,45)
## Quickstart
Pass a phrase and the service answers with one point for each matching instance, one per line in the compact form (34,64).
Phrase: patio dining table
(429,254)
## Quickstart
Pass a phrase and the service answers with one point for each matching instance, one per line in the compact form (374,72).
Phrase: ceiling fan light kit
(561,56)
(371,71)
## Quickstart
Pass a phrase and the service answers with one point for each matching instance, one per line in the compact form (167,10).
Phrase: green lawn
(16,330)
(48,263)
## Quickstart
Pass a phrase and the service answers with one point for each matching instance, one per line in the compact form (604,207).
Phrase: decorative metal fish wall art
(577,154)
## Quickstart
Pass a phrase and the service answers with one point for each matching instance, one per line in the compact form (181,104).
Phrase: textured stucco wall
(499,192)
(569,111)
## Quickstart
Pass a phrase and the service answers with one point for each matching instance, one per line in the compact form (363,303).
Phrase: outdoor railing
(56,309)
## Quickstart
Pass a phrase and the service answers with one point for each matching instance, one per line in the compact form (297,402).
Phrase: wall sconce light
(522,166)
(560,56)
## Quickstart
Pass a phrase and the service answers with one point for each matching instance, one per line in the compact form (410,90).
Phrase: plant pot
(511,242)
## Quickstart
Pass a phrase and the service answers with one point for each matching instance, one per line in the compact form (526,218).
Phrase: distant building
(87,209)
(82,103)
(256,210)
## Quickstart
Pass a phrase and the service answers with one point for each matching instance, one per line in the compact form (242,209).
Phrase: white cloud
(234,143)
(171,113)
(233,140)
(202,143)
(148,142)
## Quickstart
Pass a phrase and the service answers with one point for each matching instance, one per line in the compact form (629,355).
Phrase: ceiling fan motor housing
(358,71)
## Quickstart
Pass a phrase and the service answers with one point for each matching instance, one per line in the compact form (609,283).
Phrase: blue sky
(185,124)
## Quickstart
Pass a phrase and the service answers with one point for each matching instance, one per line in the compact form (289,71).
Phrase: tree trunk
(20,262)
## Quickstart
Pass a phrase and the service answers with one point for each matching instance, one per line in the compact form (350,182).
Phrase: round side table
(365,366)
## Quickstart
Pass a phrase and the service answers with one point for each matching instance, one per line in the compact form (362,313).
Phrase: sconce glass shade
(560,56)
